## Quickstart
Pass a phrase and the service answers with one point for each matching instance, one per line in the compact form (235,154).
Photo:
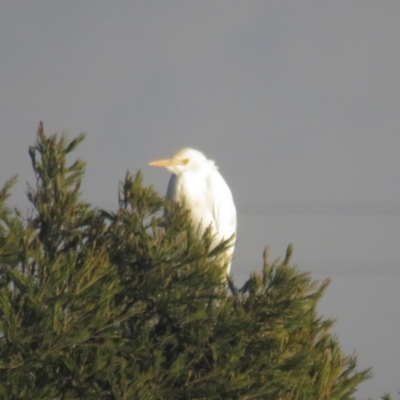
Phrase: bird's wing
(224,211)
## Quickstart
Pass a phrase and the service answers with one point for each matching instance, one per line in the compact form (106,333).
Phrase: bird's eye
(185,161)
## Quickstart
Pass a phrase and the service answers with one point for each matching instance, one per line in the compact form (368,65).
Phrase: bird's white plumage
(197,183)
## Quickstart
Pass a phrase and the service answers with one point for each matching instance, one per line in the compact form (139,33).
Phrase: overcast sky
(298,102)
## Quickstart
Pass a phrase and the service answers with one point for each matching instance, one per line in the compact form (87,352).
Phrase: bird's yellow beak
(167,163)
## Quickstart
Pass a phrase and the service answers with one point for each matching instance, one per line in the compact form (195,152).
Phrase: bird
(197,184)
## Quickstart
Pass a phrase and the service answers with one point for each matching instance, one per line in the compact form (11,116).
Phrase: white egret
(196,183)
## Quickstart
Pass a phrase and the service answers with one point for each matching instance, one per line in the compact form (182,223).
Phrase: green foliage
(132,305)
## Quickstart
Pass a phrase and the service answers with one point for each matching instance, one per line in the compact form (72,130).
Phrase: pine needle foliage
(132,304)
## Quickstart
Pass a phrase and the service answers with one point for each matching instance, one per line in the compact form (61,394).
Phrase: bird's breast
(191,191)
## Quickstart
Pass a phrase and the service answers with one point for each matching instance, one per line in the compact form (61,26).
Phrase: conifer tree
(129,304)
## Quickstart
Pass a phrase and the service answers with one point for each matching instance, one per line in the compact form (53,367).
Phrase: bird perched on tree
(196,183)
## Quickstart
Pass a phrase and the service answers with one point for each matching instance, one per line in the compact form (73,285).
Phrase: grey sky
(298,102)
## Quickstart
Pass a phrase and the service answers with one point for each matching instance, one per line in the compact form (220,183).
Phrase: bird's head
(184,160)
